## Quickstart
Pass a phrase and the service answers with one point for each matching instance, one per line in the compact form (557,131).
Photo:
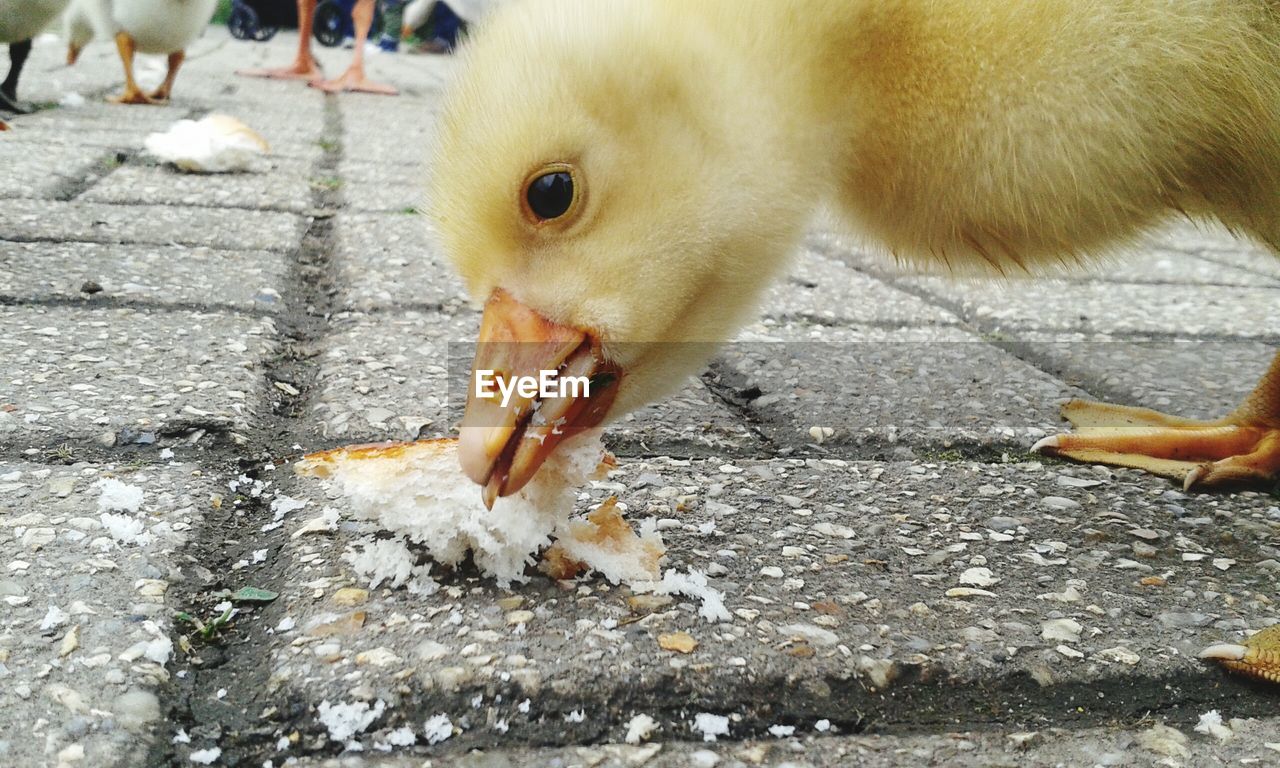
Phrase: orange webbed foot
(1242,449)
(1258,656)
(132,96)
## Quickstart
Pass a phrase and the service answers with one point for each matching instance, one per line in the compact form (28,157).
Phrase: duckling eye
(550,195)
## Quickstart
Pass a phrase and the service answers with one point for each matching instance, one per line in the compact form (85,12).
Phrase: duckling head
(612,186)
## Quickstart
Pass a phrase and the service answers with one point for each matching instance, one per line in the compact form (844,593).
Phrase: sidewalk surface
(860,454)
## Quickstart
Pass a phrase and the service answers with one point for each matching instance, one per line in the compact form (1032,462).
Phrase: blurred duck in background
(21,20)
(138,26)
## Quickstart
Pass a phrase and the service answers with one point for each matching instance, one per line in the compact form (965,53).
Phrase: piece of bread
(213,144)
(417,490)
(604,542)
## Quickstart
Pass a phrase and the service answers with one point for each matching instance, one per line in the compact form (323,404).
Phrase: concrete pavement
(907,585)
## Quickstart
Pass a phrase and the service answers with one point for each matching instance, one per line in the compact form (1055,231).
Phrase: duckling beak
(534,384)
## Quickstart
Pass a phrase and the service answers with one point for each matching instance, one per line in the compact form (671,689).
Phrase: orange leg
(304,66)
(1240,449)
(354,78)
(132,93)
(161,94)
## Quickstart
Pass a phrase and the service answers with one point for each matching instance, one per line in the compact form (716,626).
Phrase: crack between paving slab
(242,529)
(730,388)
(919,700)
(90,175)
(1205,256)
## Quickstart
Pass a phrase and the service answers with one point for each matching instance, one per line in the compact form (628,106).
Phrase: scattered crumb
(54,617)
(1163,740)
(640,728)
(125,529)
(680,642)
(381,560)
(346,720)
(1211,725)
(822,726)
(159,649)
(710,726)
(205,756)
(402,737)
(782,731)
(118,497)
(438,729)
(691,584)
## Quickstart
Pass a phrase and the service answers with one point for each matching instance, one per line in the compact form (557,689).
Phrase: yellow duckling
(614,171)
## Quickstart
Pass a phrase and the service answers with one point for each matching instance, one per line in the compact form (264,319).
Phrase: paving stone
(50,174)
(690,420)
(285,187)
(828,291)
(887,389)
(1240,312)
(77,374)
(1163,258)
(245,280)
(392,259)
(95,122)
(155,225)
(383,197)
(409,171)
(1209,240)
(387,376)
(85,630)
(292,130)
(1196,379)
(838,576)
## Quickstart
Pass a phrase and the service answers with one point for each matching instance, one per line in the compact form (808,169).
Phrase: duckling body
(699,140)
(21,20)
